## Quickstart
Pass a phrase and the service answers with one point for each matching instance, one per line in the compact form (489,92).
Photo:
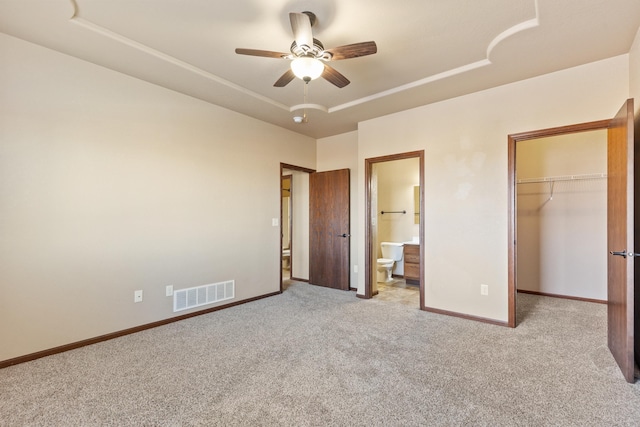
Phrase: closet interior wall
(562,215)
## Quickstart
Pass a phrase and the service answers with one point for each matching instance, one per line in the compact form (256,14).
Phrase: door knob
(344,235)
(624,253)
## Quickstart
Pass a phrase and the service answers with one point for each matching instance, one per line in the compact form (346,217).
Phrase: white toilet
(391,252)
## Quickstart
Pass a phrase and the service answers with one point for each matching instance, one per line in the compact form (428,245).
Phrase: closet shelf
(562,178)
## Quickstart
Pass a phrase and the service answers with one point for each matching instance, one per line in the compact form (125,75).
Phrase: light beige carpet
(320,357)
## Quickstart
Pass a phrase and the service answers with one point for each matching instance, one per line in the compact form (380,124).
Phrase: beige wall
(341,152)
(465,143)
(562,230)
(634,72)
(109,185)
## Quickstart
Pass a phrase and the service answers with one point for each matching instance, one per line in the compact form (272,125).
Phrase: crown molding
(105,32)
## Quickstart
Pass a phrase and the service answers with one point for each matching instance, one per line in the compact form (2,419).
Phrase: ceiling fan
(309,57)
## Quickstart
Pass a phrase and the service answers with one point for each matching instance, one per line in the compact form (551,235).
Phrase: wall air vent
(184,299)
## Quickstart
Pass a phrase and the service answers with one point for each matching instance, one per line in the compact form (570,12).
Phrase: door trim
(512,141)
(370,259)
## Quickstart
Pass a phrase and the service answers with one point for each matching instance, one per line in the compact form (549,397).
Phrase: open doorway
(561,216)
(513,227)
(315,215)
(407,209)
(294,224)
(286,221)
(622,215)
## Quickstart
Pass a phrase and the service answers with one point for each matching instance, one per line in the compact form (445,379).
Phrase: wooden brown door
(329,235)
(620,239)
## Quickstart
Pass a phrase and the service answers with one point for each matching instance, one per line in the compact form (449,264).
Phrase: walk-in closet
(561,204)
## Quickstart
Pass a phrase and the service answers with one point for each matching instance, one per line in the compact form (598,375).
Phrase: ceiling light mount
(312,17)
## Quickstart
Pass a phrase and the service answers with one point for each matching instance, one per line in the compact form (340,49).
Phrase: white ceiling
(428,50)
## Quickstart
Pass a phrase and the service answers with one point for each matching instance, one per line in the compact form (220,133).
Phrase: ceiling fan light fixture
(309,59)
(307,68)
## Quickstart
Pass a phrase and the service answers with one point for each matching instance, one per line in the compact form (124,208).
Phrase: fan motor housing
(317,50)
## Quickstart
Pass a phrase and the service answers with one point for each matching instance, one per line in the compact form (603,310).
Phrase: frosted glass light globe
(307,68)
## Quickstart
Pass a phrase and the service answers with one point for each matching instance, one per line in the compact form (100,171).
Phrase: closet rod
(562,178)
(384,212)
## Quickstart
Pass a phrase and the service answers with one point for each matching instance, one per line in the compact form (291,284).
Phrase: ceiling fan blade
(264,53)
(353,50)
(332,75)
(285,79)
(301,27)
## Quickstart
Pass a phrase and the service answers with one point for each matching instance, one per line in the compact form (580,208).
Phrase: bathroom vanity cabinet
(412,264)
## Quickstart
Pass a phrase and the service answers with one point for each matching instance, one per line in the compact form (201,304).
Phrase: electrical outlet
(274,222)
(137,296)
(355,268)
(484,289)
(168,291)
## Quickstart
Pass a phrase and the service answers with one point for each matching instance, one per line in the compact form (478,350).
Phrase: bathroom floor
(398,291)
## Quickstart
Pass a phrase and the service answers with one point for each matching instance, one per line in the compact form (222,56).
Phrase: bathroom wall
(109,184)
(562,236)
(465,143)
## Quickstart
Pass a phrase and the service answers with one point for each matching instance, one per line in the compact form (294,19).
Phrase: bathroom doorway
(410,210)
